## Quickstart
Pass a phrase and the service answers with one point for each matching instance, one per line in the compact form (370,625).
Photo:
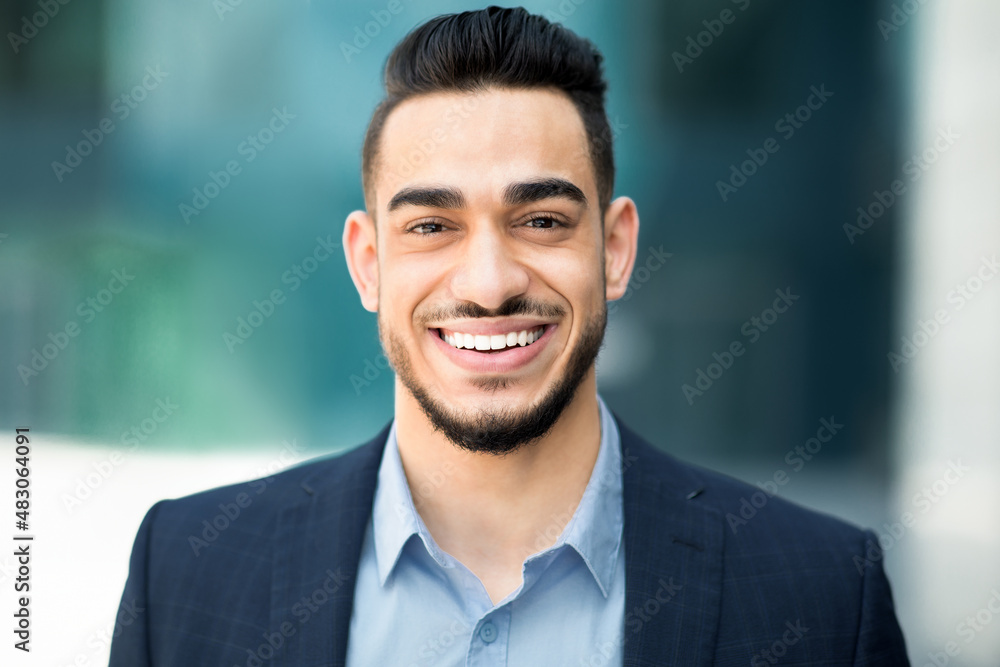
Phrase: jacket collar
(673,558)
(317,547)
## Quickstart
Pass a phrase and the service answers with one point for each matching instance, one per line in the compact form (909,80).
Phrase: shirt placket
(488,646)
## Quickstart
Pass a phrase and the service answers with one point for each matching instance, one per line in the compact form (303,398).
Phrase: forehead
(479,142)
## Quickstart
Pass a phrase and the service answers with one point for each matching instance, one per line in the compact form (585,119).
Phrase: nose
(488,273)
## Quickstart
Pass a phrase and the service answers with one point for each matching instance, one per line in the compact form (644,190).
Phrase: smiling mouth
(494,343)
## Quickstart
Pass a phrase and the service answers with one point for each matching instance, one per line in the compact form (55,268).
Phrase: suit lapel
(317,549)
(673,560)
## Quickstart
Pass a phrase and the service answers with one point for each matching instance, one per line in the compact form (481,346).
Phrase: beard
(501,430)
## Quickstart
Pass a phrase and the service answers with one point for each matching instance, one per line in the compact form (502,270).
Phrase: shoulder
(773,565)
(229,553)
(756,522)
(248,510)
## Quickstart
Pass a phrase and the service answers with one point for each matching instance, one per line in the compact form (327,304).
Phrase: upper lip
(492,328)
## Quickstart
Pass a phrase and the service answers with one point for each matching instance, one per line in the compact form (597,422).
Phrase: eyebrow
(513,195)
(516,194)
(428,197)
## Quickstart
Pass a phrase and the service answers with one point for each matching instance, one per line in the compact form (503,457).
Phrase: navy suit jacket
(262,573)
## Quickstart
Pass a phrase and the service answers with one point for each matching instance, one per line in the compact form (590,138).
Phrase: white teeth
(493,342)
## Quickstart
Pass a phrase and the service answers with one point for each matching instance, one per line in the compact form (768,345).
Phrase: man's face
(489,235)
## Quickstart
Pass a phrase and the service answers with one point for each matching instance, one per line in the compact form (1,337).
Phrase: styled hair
(502,48)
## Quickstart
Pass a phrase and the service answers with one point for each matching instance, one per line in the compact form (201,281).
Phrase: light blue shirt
(416,605)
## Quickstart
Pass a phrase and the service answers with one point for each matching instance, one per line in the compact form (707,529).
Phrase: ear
(621,238)
(361,250)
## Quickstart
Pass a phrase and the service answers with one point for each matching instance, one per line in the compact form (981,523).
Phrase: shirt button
(488,632)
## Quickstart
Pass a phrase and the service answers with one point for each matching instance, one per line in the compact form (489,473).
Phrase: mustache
(517,305)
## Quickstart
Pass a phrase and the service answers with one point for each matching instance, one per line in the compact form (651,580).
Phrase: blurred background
(816,182)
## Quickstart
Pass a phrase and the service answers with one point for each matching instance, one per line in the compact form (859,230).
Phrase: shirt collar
(594,530)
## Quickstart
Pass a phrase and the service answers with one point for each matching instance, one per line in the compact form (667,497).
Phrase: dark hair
(503,48)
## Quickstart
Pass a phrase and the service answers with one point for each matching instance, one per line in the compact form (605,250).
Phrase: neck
(493,511)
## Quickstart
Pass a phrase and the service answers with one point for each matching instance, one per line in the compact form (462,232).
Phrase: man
(505,516)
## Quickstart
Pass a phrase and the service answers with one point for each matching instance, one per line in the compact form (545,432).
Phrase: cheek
(406,281)
(575,275)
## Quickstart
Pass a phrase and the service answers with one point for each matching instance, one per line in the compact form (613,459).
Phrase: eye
(543,222)
(425,228)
